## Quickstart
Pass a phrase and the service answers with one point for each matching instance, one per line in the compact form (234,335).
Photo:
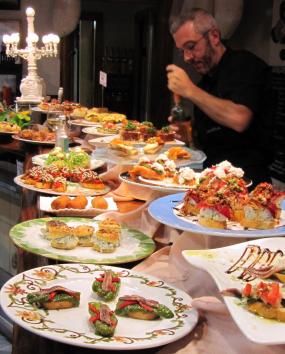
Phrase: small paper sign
(103,79)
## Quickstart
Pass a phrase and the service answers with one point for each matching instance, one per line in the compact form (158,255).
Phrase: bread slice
(257,216)
(212,223)
(210,217)
(266,311)
(65,243)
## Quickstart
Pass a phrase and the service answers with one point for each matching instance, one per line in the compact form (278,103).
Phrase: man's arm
(223,111)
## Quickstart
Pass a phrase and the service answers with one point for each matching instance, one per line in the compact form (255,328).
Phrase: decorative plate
(162,210)
(73,189)
(29,235)
(216,262)
(41,160)
(130,334)
(36,142)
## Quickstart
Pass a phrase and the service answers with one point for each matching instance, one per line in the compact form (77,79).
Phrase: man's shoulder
(244,57)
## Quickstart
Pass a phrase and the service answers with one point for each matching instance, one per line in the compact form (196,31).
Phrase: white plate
(72,189)
(216,262)
(84,123)
(41,160)
(114,156)
(105,140)
(125,177)
(45,205)
(38,109)
(166,183)
(161,210)
(95,131)
(58,325)
(36,142)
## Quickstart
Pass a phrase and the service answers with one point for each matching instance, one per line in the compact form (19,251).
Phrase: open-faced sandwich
(153,145)
(264,299)
(84,235)
(263,207)
(54,298)
(107,285)
(126,148)
(60,235)
(107,238)
(102,318)
(135,306)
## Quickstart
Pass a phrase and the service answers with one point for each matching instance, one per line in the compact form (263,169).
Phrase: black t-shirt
(244,79)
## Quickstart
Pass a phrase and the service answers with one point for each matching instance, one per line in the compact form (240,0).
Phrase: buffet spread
(120,309)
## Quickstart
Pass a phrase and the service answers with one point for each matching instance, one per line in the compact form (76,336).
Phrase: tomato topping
(247,290)
(269,293)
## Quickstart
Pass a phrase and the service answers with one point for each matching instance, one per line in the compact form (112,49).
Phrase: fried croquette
(60,202)
(79,202)
(99,203)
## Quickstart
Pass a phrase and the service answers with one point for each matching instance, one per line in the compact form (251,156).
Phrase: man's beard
(205,64)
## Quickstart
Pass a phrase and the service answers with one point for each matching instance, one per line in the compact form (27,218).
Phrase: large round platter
(6,133)
(83,123)
(113,156)
(36,142)
(125,177)
(41,160)
(70,326)
(73,189)
(29,236)
(95,131)
(217,263)
(162,210)
(105,140)
(38,109)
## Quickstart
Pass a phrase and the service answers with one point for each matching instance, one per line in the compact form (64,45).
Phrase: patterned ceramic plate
(217,263)
(130,334)
(72,189)
(29,235)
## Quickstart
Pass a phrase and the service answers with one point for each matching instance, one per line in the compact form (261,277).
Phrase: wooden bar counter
(25,342)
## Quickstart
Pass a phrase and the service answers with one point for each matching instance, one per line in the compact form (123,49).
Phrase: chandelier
(32,87)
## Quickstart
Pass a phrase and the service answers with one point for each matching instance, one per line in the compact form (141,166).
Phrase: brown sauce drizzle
(264,257)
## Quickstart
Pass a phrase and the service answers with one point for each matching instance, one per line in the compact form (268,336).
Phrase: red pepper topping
(126,303)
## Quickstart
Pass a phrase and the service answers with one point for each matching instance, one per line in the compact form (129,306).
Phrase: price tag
(103,78)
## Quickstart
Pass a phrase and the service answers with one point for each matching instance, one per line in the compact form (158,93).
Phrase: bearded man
(231,120)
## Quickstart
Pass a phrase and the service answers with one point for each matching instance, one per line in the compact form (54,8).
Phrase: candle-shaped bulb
(30,11)
(6,39)
(15,37)
(33,37)
(45,39)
